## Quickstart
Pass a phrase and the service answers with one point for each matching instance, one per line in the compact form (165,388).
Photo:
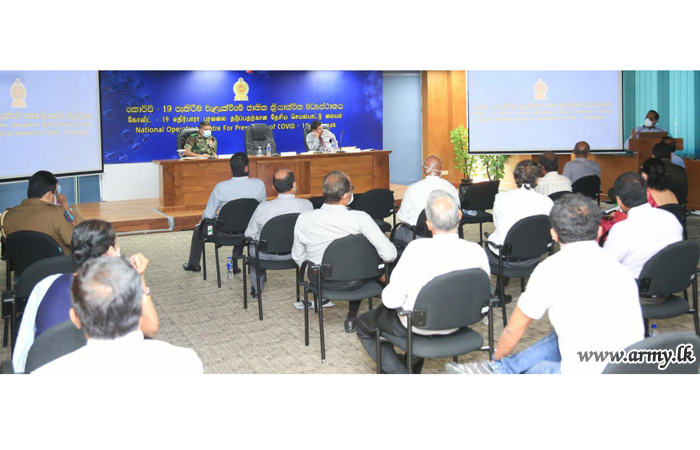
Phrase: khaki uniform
(37,215)
(201,145)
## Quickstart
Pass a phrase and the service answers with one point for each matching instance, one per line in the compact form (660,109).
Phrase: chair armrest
(302,269)
(404,312)
(487,234)
(495,246)
(8,295)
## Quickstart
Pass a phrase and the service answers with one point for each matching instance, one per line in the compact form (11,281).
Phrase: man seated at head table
(320,139)
(316,230)
(202,144)
(240,186)
(107,296)
(285,203)
(423,260)
(550,181)
(589,312)
(581,166)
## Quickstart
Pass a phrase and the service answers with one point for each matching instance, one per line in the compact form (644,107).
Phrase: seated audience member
(108,296)
(675,159)
(515,205)
(676,173)
(49,303)
(417,195)
(588,312)
(45,211)
(316,230)
(658,192)
(550,181)
(581,166)
(413,271)
(646,230)
(285,203)
(240,186)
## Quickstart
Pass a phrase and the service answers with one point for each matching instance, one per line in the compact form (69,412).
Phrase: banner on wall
(142,111)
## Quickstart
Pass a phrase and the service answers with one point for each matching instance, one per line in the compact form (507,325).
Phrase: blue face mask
(206,133)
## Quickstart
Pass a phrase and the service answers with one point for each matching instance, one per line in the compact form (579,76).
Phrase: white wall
(129,181)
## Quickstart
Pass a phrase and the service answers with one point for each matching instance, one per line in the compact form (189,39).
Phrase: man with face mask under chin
(316,230)
(649,126)
(45,210)
(203,144)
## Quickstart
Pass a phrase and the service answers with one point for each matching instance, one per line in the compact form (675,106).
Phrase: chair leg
(646,328)
(379,352)
(455,359)
(296,270)
(315,302)
(503,300)
(260,311)
(695,305)
(320,327)
(306,316)
(490,331)
(370,304)
(522,285)
(409,346)
(218,269)
(204,260)
(5,332)
(245,283)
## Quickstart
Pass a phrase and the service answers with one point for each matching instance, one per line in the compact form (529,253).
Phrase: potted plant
(464,162)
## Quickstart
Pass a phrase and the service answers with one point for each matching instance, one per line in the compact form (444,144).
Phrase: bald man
(285,203)
(581,166)
(416,196)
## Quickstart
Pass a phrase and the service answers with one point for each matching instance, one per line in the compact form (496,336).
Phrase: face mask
(118,254)
(431,171)
(647,122)
(352,197)
(206,133)
(58,188)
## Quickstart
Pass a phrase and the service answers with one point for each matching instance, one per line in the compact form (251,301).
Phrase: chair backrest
(675,209)
(670,270)
(667,342)
(235,215)
(528,238)
(24,248)
(557,195)
(183,135)
(258,135)
(307,130)
(480,196)
(681,191)
(452,300)
(378,203)
(40,270)
(277,235)
(422,229)
(351,258)
(317,202)
(588,186)
(57,341)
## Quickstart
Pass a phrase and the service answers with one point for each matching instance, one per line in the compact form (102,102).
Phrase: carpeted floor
(229,339)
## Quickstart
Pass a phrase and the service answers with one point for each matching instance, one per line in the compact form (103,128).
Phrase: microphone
(340,143)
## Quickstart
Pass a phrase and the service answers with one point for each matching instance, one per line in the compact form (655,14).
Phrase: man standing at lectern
(649,127)
(320,139)
(202,144)
(240,186)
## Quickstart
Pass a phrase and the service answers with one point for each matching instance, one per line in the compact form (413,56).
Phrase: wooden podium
(186,185)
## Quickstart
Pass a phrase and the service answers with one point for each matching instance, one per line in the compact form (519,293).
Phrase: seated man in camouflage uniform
(202,144)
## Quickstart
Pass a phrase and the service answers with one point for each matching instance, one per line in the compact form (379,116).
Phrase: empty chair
(57,341)
(183,135)
(556,195)
(666,342)
(588,186)
(479,197)
(257,136)
(379,204)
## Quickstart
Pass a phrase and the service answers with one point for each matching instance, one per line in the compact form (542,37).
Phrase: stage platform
(142,216)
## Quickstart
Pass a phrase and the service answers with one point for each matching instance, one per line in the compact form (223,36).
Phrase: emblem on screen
(240,88)
(18,93)
(540,89)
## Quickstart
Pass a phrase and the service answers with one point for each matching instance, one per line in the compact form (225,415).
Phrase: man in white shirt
(285,203)
(581,166)
(107,296)
(589,313)
(423,260)
(416,196)
(316,230)
(645,231)
(320,139)
(551,181)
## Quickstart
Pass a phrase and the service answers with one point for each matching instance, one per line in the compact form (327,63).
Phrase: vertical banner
(142,111)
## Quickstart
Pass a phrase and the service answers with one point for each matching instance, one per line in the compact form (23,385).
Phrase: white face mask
(118,253)
(430,171)
(648,123)
(352,197)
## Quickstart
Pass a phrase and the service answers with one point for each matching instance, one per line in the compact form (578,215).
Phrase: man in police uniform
(203,144)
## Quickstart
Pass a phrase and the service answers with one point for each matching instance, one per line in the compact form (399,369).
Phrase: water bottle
(229,267)
(469,212)
(269,149)
(334,146)
(654,331)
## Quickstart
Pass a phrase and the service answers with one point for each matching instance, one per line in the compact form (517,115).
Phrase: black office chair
(479,197)
(528,238)
(183,135)
(351,258)
(379,204)
(678,211)
(277,238)
(13,302)
(557,195)
(317,202)
(8,265)
(307,130)
(671,270)
(258,135)
(452,300)
(680,190)
(227,230)
(419,230)
(665,342)
(59,340)
(24,248)
(588,186)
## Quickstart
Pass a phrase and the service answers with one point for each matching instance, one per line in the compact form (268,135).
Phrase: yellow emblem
(18,93)
(240,88)
(540,89)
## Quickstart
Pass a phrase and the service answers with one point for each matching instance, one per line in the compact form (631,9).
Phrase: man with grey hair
(423,260)
(581,166)
(550,181)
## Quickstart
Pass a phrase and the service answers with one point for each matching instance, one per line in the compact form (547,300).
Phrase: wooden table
(186,185)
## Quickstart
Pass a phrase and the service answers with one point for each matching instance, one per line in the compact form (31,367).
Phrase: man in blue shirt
(240,186)
(649,126)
